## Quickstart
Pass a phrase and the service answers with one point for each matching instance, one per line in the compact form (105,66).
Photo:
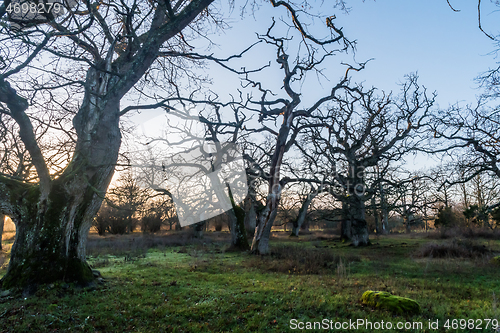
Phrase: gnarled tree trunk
(260,243)
(297,224)
(375,215)
(345,223)
(53,217)
(236,215)
(354,209)
(250,216)
(357,220)
(198,229)
(52,225)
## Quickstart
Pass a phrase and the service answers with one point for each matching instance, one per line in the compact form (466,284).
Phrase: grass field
(172,284)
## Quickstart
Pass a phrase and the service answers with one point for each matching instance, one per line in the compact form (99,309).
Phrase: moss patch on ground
(385,301)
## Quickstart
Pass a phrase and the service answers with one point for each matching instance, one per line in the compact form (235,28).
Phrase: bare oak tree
(100,51)
(289,110)
(360,130)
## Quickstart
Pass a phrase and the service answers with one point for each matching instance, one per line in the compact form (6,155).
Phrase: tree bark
(357,221)
(2,221)
(260,243)
(51,230)
(375,215)
(239,241)
(297,224)
(198,229)
(385,213)
(345,224)
(250,216)
(406,218)
(53,217)
(355,208)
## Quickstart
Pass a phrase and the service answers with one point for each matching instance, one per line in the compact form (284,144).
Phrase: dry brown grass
(484,233)
(294,259)
(455,248)
(138,244)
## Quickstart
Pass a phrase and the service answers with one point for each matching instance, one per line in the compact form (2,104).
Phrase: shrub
(457,232)
(300,260)
(445,217)
(477,214)
(114,219)
(456,248)
(152,222)
(495,215)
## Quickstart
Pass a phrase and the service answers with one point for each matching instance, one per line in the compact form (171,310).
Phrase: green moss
(495,260)
(384,300)
(79,272)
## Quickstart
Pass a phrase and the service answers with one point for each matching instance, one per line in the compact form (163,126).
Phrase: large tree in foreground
(98,51)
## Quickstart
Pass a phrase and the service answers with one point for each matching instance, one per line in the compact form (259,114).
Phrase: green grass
(198,288)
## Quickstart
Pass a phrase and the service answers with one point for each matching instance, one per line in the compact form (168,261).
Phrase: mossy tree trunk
(198,229)
(250,216)
(53,216)
(354,219)
(345,223)
(357,220)
(2,221)
(52,223)
(239,241)
(375,215)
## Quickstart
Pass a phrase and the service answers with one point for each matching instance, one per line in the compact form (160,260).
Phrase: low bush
(137,245)
(293,259)
(151,222)
(455,232)
(456,248)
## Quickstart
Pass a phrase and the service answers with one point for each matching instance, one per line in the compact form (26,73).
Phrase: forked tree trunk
(260,243)
(52,229)
(53,217)
(297,224)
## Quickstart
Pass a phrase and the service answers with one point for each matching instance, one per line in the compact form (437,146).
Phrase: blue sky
(446,48)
